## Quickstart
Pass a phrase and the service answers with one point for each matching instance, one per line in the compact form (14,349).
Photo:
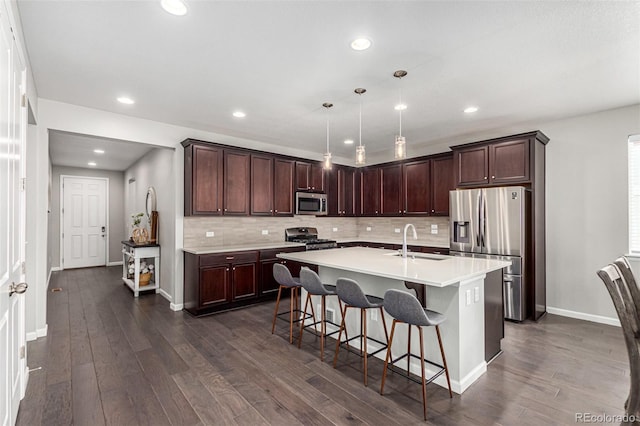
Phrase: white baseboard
(116,263)
(53,269)
(173,306)
(165,295)
(41,332)
(582,316)
(176,307)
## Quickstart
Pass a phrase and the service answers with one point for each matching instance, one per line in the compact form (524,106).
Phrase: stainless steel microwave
(311,203)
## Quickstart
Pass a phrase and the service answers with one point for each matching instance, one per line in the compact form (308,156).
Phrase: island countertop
(433,270)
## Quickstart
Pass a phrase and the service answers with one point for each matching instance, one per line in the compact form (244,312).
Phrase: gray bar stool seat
(283,277)
(311,282)
(405,308)
(350,293)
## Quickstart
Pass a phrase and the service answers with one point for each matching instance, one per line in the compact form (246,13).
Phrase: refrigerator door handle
(484,220)
(479,213)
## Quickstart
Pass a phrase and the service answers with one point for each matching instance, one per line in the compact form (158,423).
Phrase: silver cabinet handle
(493,177)
(234,268)
(230,257)
(218,209)
(17,288)
(276,211)
(485,177)
(225,210)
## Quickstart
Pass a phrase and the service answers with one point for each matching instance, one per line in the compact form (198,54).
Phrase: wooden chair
(625,295)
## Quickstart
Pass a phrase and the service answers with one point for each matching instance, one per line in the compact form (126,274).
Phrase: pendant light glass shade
(360,154)
(326,160)
(400,149)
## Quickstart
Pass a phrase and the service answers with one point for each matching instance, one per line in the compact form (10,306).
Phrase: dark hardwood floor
(112,359)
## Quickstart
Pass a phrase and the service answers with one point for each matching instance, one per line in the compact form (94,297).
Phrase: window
(634,194)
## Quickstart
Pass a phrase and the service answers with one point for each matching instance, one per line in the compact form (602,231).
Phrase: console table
(135,253)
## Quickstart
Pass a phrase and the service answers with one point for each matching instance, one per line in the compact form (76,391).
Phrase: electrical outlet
(210,234)
(468,297)
(368,228)
(476,294)
(334,229)
(374,315)
(397,230)
(434,226)
(265,232)
(434,231)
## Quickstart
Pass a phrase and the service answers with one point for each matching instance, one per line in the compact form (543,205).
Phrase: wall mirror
(151,201)
(152,214)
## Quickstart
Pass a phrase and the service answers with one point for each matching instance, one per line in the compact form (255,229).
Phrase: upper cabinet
(309,176)
(271,186)
(347,191)
(237,183)
(502,161)
(416,184)
(391,194)
(283,171)
(369,191)
(442,181)
(203,179)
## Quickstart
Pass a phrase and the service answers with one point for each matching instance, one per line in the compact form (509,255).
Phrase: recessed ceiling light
(125,100)
(99,151)
(348,141)
(400,107)
(92,163)
(361,44)
(174,7)
(470,109)
(239,114)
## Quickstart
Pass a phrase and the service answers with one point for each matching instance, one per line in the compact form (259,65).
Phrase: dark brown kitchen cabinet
(283,186)
(369,191)
(203,180)
(237,183)
(262,185)
(214,282)
(309,176)
(268,284)
(442,181)
(391,194)
(346,187)
(504,161)
(416,179)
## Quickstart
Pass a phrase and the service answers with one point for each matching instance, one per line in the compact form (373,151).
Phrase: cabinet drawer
(231,257)
(271,253)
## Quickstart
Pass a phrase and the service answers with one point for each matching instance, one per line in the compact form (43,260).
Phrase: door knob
(17,288)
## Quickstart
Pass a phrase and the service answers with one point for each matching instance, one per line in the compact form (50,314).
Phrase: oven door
(311,203)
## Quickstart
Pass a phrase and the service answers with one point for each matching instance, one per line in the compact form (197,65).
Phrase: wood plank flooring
(112,359)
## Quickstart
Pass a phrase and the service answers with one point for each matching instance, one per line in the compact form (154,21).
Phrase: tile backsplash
(230,230)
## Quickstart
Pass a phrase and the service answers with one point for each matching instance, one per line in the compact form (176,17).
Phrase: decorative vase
(140,235)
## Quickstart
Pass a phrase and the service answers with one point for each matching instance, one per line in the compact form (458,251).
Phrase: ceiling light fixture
(361,44)
(125,100)
(326,162)
(400,149)
(471,109)
(360,155)
(92,163)
(348,141)
(98,151)
(239,114)
(174,7)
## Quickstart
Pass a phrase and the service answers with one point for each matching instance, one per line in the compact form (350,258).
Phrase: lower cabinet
(223,281)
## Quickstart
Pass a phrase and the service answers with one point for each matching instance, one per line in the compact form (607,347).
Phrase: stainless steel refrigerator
(492,223)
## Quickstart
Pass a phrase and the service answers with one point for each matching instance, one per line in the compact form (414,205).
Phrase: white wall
(116,226)
(156,169)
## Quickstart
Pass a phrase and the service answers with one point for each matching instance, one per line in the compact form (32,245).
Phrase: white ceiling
(280,60)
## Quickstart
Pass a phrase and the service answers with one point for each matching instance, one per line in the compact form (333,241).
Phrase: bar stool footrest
(295,311)
(359,352)
(403,372)
(316,332)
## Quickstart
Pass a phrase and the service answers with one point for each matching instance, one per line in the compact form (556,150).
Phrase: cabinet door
(261,185)
(509,162)
(244,280)
(391,190)
(472,166)
(316,177)
(370,191)
(303,173)
(346,191)
(331,188)
(214,285)
(203,180)
(268,283)
(416,178)
(283,187)
(442,182)
(237,184)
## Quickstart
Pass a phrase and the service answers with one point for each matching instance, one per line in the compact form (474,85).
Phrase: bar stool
(283,277)
(405,308)
(350,293)
(311,282)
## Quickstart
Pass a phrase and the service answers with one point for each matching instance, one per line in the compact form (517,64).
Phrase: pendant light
(326,162)
(400,149)
(360,156)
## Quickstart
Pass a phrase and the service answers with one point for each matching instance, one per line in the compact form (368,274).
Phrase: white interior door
(84,221)
(12,214)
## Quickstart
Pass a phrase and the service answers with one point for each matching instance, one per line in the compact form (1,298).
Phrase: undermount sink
(412,255)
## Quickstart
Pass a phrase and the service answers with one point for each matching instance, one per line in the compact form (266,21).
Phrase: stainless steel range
(309,236)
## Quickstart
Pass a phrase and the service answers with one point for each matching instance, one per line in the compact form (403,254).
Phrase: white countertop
(444,271)
(398,240)
(241,247)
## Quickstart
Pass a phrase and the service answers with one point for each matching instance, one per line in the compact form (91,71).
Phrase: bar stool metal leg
(444,360)
(424,382)
(275,312)
(386,358)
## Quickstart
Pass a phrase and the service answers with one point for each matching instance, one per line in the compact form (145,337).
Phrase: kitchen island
(453,286)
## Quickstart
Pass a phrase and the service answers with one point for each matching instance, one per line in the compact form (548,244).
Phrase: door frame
(106,207)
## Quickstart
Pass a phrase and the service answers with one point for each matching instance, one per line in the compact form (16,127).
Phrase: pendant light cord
(327,129)
(360,122)
(400,111)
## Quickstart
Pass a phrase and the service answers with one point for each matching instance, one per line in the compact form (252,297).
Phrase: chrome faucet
(404,238)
